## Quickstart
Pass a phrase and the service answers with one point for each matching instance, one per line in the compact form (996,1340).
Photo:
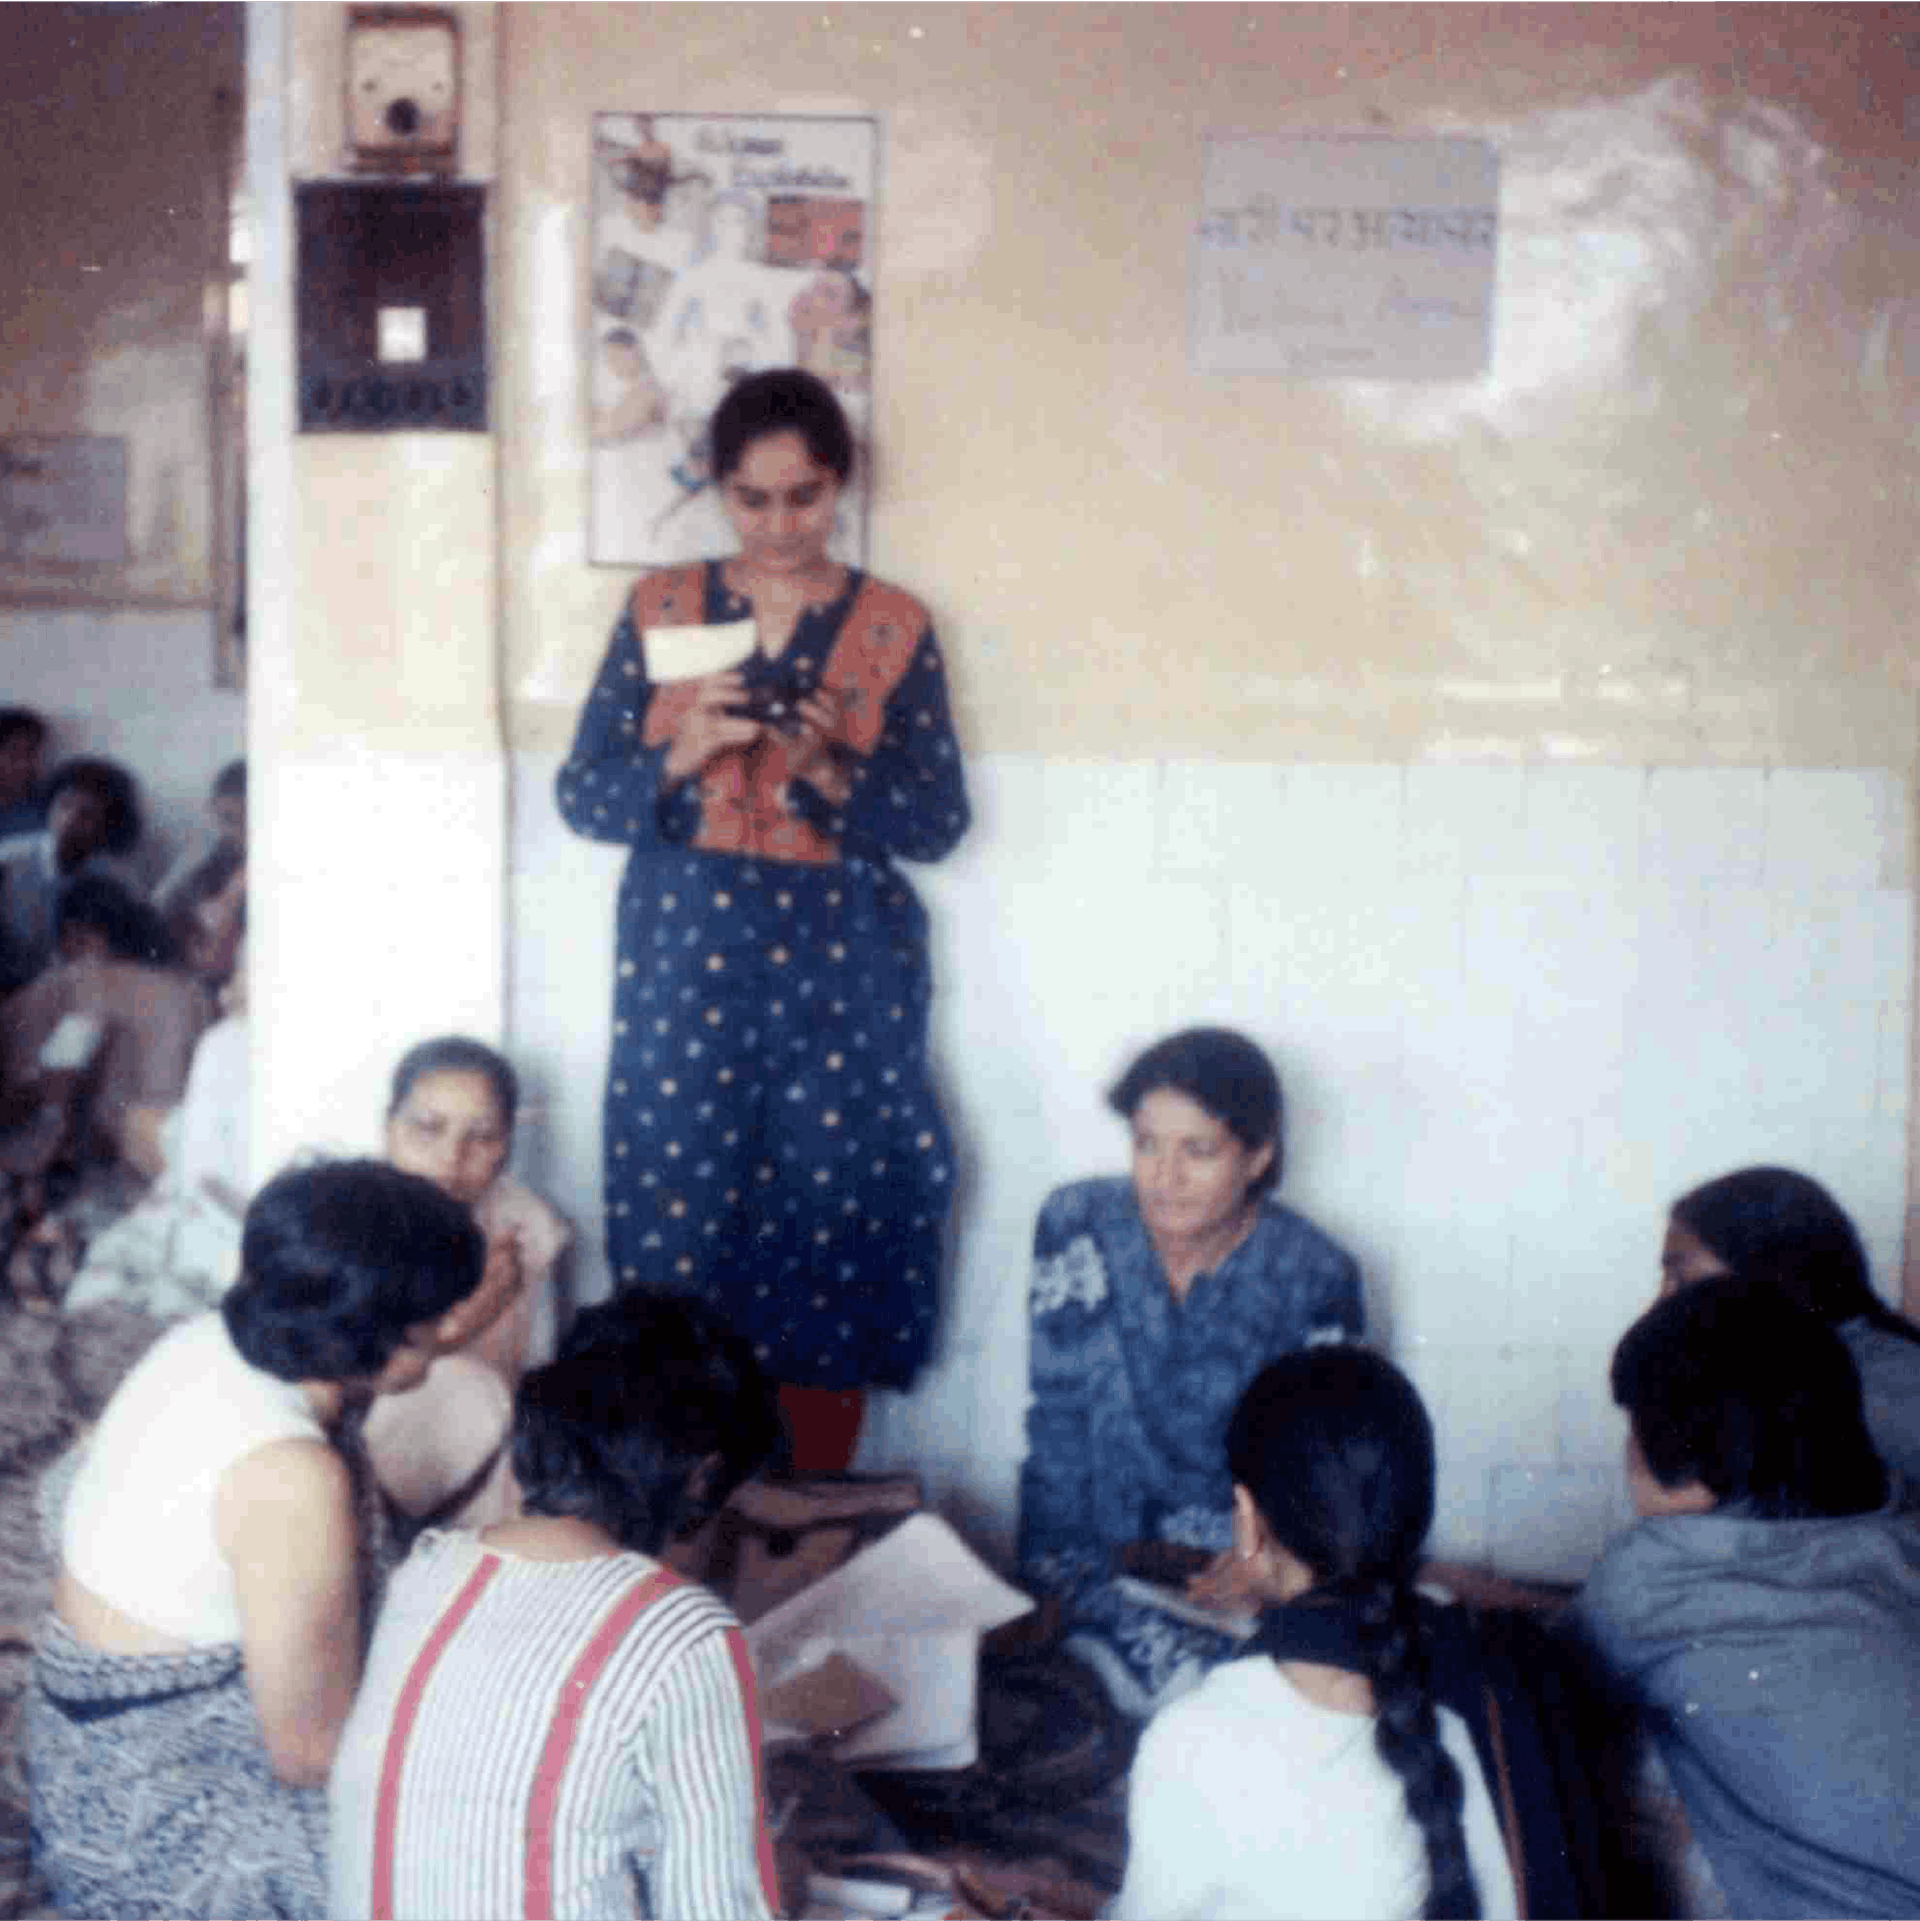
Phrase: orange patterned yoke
(743,791)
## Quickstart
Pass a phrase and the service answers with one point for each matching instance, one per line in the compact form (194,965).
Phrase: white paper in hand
(690,653)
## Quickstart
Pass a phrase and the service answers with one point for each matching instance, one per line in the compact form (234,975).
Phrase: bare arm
(284,1521)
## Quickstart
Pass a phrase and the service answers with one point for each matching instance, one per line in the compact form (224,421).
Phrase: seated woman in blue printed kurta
(1155,1301)
(772,1137)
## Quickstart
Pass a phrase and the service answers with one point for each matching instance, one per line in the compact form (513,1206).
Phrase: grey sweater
(1778,1663)
(1889,1370)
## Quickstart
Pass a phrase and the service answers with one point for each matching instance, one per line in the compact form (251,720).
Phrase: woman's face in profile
(1686,1258)
(450,1131)
(1191,1172)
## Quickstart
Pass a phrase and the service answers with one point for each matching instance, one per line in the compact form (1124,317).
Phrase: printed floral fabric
(1131,1391)
(771,1134)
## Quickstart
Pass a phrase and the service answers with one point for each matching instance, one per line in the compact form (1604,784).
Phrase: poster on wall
(722,244)
(63,498)
(1364,256)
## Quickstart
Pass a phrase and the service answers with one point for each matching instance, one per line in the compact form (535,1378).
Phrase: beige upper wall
(115,146)
(1675,522)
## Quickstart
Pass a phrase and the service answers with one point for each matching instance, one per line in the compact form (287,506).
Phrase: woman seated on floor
(1763,1616)
(1786,1227)
(1259,1794)
(178,1250)
(450,1119)
(191,1681)
(1155,1301)
(552,1722)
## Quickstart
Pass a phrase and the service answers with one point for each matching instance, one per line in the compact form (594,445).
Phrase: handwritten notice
(1364,257)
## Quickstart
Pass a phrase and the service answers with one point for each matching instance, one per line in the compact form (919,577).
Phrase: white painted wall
(1611,889)
(378,768)
(1516,1008)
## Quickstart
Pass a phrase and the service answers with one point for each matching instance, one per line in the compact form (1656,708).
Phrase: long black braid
(1337,1452)
(1406,1730)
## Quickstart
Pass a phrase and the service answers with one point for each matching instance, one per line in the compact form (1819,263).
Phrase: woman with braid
(1320,1774)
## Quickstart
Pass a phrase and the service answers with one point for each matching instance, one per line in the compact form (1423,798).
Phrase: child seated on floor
(551,1721)
(1763,1616)
(93,1053)
(92,823)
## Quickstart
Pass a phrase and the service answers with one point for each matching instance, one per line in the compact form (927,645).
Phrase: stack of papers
(908,1614)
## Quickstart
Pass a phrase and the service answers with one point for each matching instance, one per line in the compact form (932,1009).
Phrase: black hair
(781,400)
(456,1054)
(1772,1222)
(1733,1384)
(132,930)
(230,783)
(1223,1072)
(113,787)
(338,1260)
(22,720)
(1336,1449)
(653,1413)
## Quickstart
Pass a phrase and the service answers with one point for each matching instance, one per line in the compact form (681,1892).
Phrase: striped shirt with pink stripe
(550,1738)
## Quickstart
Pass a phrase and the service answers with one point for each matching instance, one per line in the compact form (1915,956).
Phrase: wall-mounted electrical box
(403,89)
(392,307)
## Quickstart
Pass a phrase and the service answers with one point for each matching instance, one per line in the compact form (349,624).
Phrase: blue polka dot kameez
(772,1138)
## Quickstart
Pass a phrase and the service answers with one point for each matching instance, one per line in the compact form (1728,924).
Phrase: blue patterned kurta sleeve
(1059,1548)
(610,787)
(1326,1301)
(909,796)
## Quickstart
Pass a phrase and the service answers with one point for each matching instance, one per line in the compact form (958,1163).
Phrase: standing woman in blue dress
(772,1138)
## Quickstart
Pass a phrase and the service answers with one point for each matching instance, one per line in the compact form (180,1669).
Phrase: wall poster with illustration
(722,244)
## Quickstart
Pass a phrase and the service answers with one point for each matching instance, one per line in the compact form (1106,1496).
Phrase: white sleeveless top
(138,1529)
